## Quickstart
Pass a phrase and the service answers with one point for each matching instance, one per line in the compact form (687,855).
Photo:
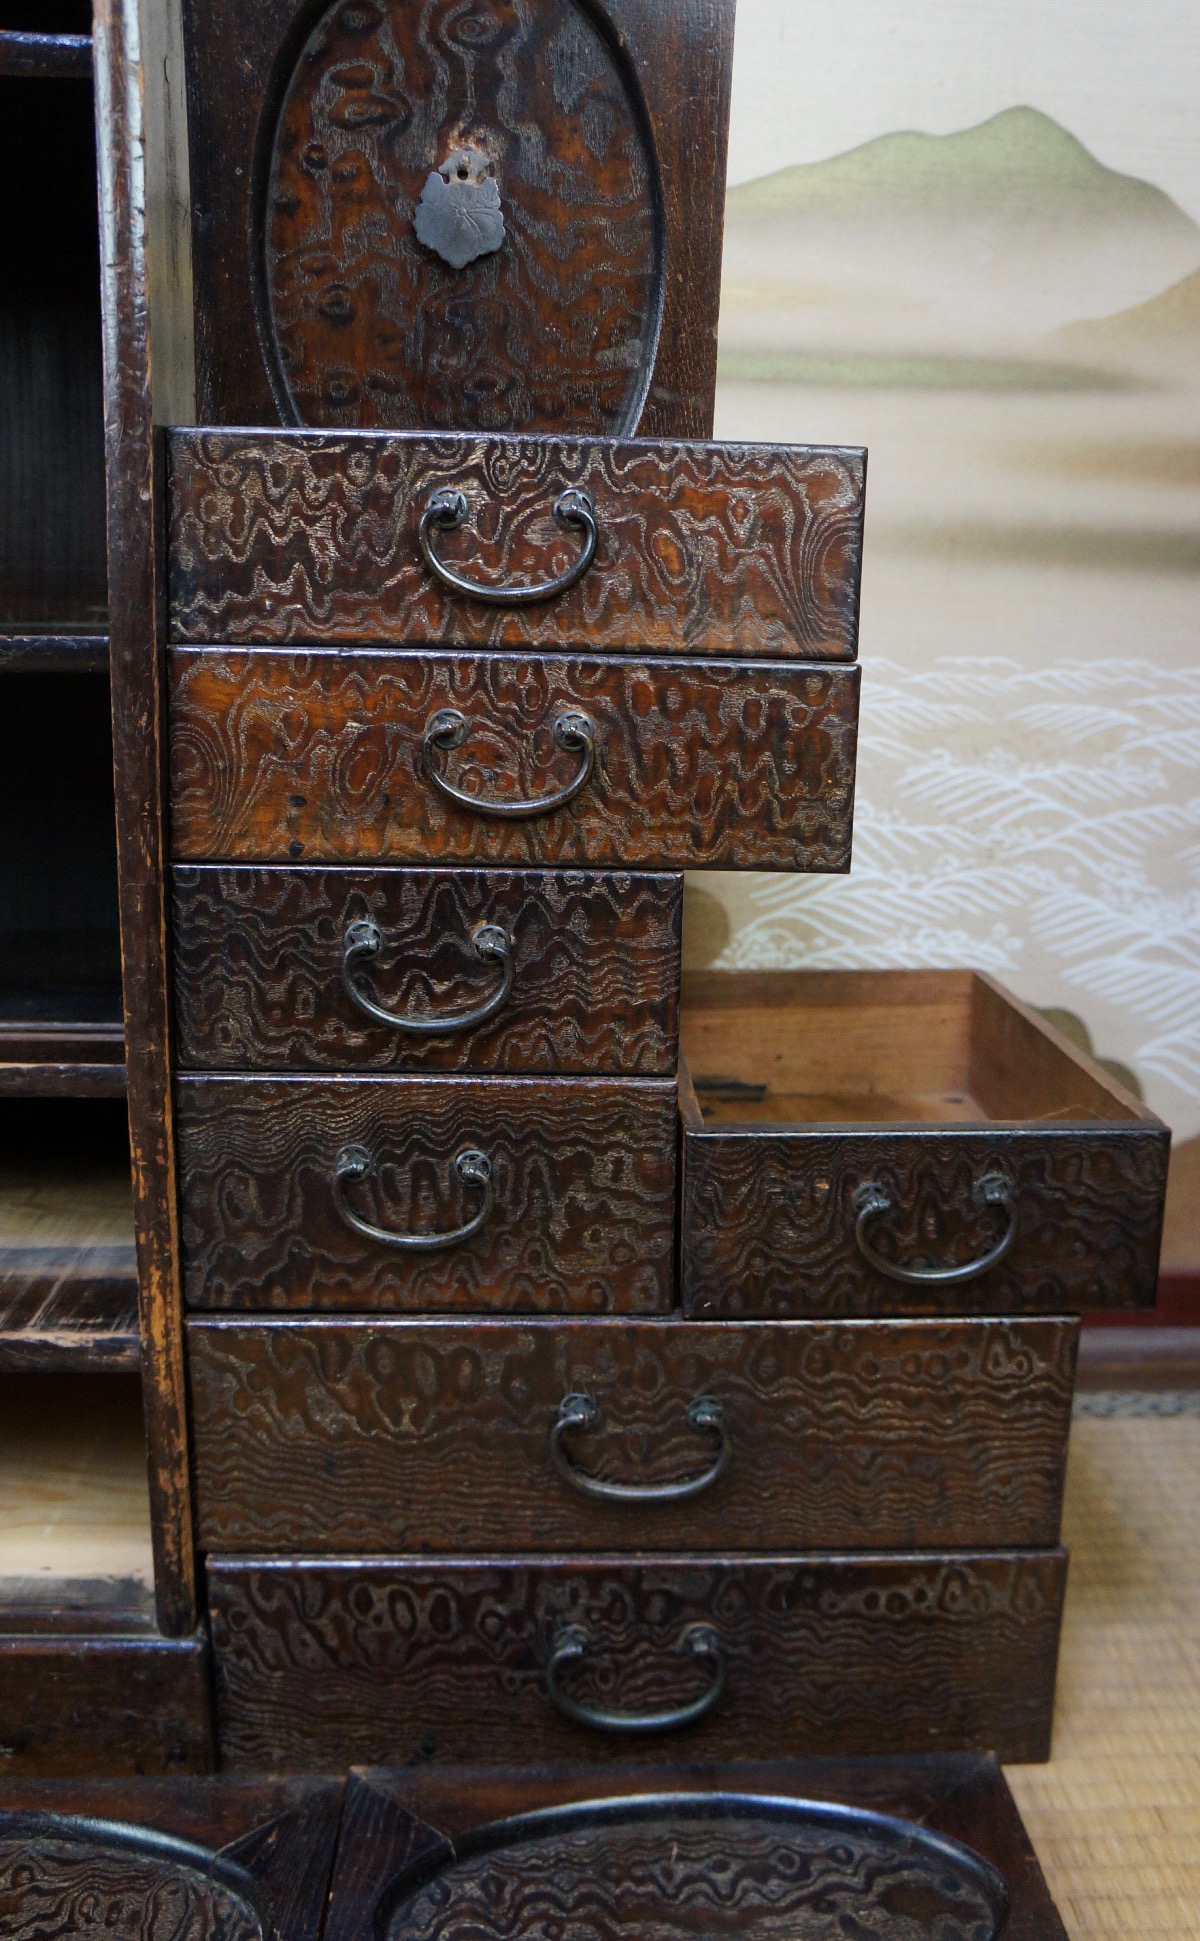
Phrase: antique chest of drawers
(544,1394)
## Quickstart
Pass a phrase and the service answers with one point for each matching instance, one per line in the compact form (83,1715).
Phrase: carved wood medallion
(463,221)
(726,1867)
(95,1881)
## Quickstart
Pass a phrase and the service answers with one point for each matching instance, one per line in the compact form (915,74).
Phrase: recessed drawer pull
(448,729)
(354,1163)
(447,509)
(364,940)
(577,1413)
(698,1641)
(871,1203)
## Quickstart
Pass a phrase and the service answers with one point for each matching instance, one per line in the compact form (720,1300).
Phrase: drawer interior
(900,1047)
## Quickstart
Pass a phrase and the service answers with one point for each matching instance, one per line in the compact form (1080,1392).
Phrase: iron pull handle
(577,1413)
(871,1203)
(447,509)
(364,941)
(354,1163)
(448,729)
(698,1641)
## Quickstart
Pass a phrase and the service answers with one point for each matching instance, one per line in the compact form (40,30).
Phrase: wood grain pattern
(583,1175)
(316,756)
(768,1218)
(435,1436)
(396,1822)
(755,1870)
(557,327)
(747,550)
(269,1841)
(135,550)
(258,954)
(611,171)
(401,1660)
(95,1883)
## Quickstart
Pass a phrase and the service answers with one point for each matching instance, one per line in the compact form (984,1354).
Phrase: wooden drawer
(577,1211)
(332,757)
(494,1437)
(891,1142)
(274,967)
(749,550)
(324,1664)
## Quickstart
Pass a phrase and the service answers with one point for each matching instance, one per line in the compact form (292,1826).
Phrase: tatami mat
(1115,1816)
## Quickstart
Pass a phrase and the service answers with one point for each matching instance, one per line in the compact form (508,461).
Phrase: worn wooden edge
(137,595)
(1133,1106)
(46,57)
(53,653)
(394,1818)
(847,990)
(218,1812)
(51,1080)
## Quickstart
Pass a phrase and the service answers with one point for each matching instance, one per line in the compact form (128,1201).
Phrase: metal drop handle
(447,509)
(354,1164)
(572,1644)
(364,941)
(872,1203)
(448,729)
(577,1413)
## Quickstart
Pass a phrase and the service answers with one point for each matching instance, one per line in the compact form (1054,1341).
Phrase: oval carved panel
(462,225)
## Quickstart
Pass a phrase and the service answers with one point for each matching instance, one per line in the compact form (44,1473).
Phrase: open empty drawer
(887,1142)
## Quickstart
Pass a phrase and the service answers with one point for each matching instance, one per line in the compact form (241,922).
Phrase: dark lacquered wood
(259,956)
(134,553)
(410,1660)
(103,1700)
(737,1867)
(809,1085)
(748,550)
(316,757)
(272,1839)
(436,1436)
(583,1181)
(395,1821)
(310,129)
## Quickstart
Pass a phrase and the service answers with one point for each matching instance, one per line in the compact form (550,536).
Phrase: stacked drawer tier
(448,718)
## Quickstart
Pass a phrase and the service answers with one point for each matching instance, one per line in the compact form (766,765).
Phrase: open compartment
(905,1141)
(53,574)
(61,1028)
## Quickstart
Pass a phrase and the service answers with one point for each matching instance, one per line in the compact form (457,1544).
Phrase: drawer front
(338,758)
(704,549)
(321,1664)
(276,968)
(770,1220)
(573,1206)
(493,1438)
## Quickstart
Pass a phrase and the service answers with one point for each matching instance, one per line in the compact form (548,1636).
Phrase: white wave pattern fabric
(1042,824)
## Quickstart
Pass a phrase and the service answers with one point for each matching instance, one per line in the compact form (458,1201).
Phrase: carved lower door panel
(402,1660)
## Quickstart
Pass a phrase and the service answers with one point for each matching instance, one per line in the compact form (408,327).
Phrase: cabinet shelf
(46,57)
(53,653)
(68,1276)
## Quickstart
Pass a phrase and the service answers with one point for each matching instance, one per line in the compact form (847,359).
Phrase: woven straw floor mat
(1115,1816)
